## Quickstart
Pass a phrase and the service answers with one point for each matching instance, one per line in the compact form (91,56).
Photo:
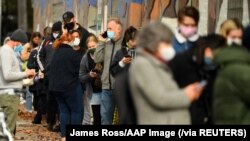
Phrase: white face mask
(55,35)
(236,41)
(76,41)
(167,53)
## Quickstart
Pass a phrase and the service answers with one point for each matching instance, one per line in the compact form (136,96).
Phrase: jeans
(70,107)
(107,107)
(28,98)
(87,112)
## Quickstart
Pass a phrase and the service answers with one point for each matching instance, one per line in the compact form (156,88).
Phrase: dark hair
(213,41)
(34,35)
(79,32)
(189,11)
(129,34)
(153,34)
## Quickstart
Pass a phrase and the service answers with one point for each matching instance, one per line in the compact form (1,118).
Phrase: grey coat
(103,54)
(156,96)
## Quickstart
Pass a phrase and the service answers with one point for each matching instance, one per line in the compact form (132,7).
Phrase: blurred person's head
(35,39)
(246,37)
(206,48)
(56,29)
(114,29)
(129,39)
(47,31)
(156,38)
(69,20)
(232,30)
(188,20)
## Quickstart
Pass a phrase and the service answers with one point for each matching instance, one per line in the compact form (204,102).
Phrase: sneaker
(56,128)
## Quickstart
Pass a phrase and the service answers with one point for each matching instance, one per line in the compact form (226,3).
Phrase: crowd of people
(150,76)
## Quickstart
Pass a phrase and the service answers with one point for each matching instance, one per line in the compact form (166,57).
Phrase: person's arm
(83,73)
(41,54)
(26,52)
(144,78)
(99,53)
(8,74)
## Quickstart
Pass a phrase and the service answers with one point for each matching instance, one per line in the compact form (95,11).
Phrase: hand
(30,73)
(92,74)
(193,91)
(41,75)
(126,60)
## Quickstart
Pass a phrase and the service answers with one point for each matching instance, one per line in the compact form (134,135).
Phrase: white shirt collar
(182,39)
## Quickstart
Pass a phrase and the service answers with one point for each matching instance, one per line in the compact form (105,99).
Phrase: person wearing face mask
(64,82)
(126,54)
(35,41)
(196,64)
(156,96)
(90,76)
(70,23)
(105,52)
(11,78)
(44,58)
(232,31)
(231,89)
(187,31)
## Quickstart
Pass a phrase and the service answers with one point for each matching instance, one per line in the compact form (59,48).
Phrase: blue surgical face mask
(111,34)
(18,48)
(209,63)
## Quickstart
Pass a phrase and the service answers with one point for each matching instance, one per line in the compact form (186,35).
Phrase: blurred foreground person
(156,96)
(231,89)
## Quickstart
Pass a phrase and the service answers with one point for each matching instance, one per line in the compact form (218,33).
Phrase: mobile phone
(127,56)
(202,84)
(105,34)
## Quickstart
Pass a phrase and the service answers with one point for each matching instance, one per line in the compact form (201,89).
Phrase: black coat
(115,68)
(186,71)
(84,36)
(64,69)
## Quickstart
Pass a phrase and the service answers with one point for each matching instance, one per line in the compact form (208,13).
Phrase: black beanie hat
(57,26)
(20,36)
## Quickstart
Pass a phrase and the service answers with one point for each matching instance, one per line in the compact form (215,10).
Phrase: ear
(208,52)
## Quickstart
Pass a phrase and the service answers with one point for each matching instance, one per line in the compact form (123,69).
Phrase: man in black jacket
(69,22)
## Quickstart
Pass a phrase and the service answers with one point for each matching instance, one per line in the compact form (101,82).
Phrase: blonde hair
(229,25)
(91,38)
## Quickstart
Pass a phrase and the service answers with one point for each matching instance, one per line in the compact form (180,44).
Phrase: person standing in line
(155,94)
(11,77)
(90,75)
(70,23)
(110,43)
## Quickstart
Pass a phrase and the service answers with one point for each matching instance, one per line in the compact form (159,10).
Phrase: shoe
(50,127)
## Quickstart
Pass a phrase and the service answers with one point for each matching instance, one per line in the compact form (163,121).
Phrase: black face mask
(69,26)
